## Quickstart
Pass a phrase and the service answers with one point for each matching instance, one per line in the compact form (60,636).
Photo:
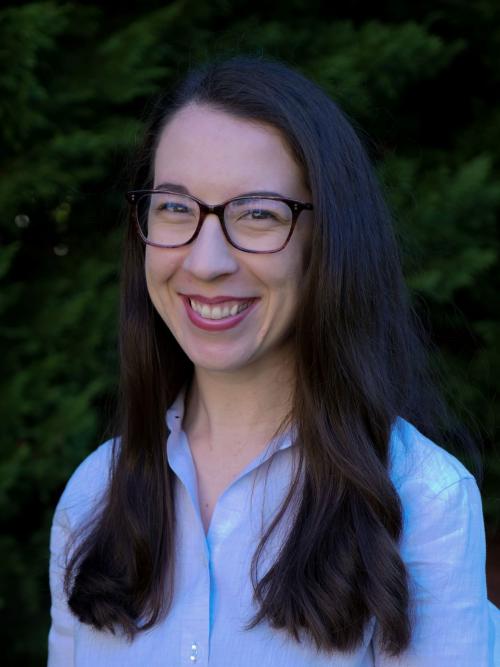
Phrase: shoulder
(442,546)
(87,484)
(419,464)
(439,496)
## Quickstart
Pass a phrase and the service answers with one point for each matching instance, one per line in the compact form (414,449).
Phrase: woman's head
(197,138)
(196,288)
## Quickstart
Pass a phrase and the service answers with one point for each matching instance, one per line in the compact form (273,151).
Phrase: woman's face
(215,156)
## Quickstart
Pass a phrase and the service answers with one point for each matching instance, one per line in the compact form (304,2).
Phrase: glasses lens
(257,223)
(167,218)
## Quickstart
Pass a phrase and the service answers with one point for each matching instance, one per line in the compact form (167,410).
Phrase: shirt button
(194,652)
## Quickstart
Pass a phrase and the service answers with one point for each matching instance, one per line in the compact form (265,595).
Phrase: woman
(296,515)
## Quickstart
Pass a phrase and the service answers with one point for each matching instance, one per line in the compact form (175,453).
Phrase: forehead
(216,156)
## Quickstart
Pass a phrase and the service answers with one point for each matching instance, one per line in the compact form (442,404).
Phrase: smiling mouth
(219,311)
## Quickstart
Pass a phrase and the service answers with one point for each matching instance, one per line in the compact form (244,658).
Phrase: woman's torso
(213,591)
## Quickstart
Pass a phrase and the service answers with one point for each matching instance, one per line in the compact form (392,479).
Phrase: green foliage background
(420,79)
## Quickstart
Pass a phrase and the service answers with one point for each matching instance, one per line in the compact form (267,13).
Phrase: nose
(210,255)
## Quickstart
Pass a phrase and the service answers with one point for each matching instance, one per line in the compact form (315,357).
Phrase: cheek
(294,277)
(158,269)
(158,266)
(284,282)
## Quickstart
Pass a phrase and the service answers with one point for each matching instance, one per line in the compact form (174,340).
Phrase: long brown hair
(361,362)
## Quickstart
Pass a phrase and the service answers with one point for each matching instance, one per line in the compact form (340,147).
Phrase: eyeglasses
(252,223)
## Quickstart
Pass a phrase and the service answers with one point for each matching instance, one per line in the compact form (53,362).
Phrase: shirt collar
(175,412)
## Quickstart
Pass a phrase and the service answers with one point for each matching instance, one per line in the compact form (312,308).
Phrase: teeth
(219,311)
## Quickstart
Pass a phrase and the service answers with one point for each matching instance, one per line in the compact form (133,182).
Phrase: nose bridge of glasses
(217,210)
(209,254)
(211,209)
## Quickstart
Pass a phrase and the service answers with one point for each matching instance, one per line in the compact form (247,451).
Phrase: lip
(217,325)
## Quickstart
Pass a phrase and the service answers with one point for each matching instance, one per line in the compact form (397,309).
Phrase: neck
(225,409)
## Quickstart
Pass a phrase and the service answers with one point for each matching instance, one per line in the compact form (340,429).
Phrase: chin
(219,365)
(220,361)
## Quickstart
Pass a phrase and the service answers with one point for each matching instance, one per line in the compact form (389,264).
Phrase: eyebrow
(175,187)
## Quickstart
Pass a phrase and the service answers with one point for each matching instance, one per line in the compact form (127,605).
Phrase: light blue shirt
(443,547)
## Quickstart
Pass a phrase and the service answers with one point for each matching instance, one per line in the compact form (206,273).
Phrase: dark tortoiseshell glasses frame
(296,207)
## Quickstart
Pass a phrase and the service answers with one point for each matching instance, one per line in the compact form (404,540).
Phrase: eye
(259,214)
(173,207)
